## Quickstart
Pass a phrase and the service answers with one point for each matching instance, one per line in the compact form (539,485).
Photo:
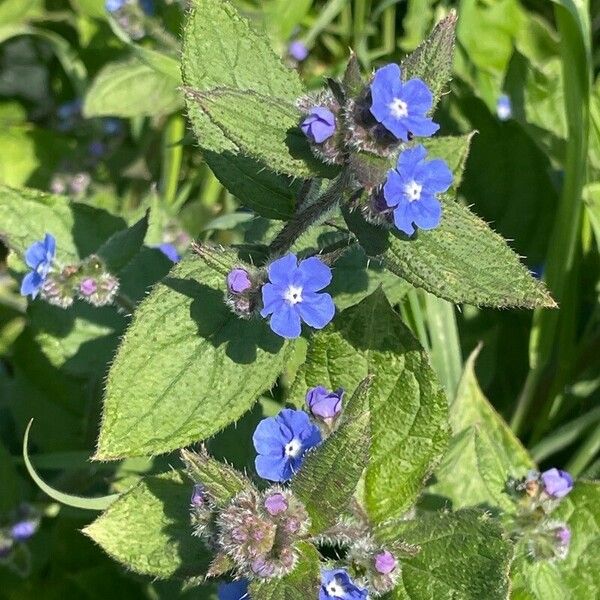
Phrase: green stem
(586,453)
(172,156)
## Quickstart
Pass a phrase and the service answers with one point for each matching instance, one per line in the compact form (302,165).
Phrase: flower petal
(324,114)
(427,212)
(417,96)
(282,270)
(321,131)
(272,299)
(316,310)
(286,321)
(421,126)
(396,126)
(315,274)
(393,188)
(35,255)
(268,438)
(436,176)
(409,160)
(50,245)
(403,218)
(271,467)
(31,284)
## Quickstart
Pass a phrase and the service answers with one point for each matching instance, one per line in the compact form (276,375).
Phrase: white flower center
(399,108)
(293,295)
(293,448)
(413,191)
(335,590)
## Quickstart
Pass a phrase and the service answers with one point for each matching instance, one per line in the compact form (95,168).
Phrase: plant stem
(586,453)
(124,303)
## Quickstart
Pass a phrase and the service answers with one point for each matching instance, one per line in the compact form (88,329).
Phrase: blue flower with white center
(39,258)
(236,590)
(282,442)
(411,189)
(336,583)
(401,107)
(291,295)
(504,108)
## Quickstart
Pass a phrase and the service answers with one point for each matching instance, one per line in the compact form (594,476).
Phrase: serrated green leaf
(462,260)
(409,412)
(221,481)
(148,529)
(577,576)
(302,582)
(122,246)
(187,366)
(330,474)
(130,89)
(463,555)
(484,452)
(432,60)
(262,127)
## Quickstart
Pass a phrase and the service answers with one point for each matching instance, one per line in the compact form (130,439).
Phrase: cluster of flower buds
(88,280)
(74,184)
(537,495)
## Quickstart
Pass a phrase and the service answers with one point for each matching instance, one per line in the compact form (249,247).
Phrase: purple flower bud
(324,404)
(563,535)
(23,530)
(198,499)
(238,281)
(385,562)
(276,504)
(263,567)
(298,50)
(557,483)
(319,125)
(88,287)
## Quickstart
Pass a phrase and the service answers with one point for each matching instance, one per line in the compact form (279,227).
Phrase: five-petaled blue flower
(233,591)
(319,125)
(291,296)
(401,107)
(282,442)
(39,257)
(411,188)
(337,583)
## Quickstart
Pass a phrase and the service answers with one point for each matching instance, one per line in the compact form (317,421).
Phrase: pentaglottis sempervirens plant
(369,484)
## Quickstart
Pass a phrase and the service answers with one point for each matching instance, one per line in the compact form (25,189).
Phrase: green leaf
(330,474)
(577,576)
(122,246)
(409,413)
(302,582)
(432,60)
(463,556)
(221,481)
(483,453)
(148,529)
(187,366)
(262,127)
(130,89)
(462,260)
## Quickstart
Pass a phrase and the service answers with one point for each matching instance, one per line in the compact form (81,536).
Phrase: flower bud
(276,504)
(550,542)
(58,289)
(323,404)
(385,562)
(557,483)
(199,497)
(238,281)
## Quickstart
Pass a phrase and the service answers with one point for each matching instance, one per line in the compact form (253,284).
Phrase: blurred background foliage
(90,107)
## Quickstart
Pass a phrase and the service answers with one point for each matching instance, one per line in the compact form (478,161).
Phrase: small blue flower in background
(401,107)
(291,296)
(282,442)
(24,529)
(337,583)
(298,50)
(170,252)
(233,591)
(39,258)
(319,125)
(557,483)
(411,188)
(112,126)
(504,108)
(114,5)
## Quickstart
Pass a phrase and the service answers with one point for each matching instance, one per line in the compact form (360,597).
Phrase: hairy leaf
(330,474)
(148,529)
(483,453)
(187,366)
(463,556)
(577,576)
(121,247)
(462,260)
(409,413)
(302,582)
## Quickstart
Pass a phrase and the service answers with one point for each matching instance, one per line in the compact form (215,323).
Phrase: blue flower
(298,50)
(504,108)
(23,530)
(39,257)
(401,107)
(233,591)
(170,252)
(319,125)
(114,5)
(411,188)
(282,442)
(291,296)
(337,583)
